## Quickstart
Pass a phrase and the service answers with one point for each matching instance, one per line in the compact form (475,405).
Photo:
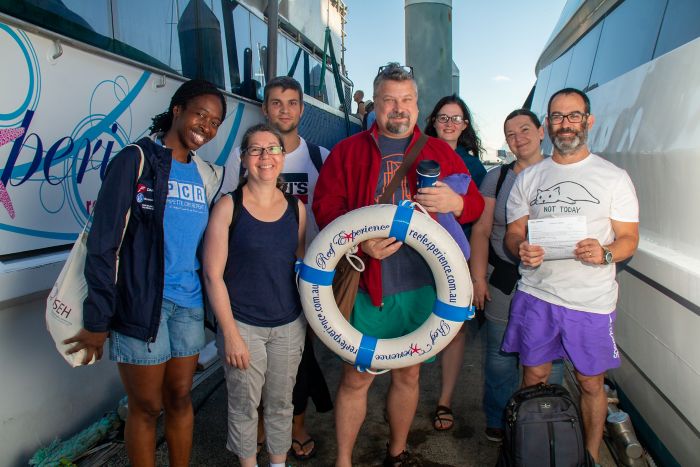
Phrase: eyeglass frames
(444,118)
(408,69)
(573,117)
(257,151)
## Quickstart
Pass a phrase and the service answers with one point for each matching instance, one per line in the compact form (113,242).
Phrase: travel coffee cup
(428,172)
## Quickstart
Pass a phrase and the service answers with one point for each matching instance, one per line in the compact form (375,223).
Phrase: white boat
(639,62)
(79,81)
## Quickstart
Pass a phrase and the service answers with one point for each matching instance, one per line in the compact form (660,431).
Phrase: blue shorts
(180,334)
(542,332)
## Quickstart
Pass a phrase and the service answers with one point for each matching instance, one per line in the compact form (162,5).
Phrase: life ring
(415,229)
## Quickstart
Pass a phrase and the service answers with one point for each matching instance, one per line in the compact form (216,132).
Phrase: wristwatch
(607,256)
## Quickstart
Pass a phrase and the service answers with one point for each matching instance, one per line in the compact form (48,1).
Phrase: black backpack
(237,196)
(543,428)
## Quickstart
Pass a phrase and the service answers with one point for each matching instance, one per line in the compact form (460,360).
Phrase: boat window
(90,22)
(185,35)
(243,83)
(680,25)
(150,27)
(582,59)
(258,36)
(623,47)
(224,80)
(94,13)
(87,22)
(293,50)
(557,79)
(538,100)
(282,67)
(331,90)
(315,80)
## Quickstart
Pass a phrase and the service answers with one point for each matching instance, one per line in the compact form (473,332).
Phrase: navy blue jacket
(132,305)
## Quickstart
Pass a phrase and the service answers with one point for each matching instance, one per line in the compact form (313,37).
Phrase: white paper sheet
(557,235)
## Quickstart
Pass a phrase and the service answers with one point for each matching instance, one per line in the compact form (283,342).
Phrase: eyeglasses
(257,151)
(573,117)
(406,68)
(456,119)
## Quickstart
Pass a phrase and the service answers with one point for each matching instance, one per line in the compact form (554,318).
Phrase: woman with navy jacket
(154,314)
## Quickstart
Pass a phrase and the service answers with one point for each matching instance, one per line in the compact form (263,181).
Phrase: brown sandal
(443,419)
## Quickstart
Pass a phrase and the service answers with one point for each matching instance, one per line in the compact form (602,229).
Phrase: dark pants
(310,382)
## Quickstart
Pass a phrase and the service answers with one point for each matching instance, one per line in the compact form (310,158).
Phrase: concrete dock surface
(463,445)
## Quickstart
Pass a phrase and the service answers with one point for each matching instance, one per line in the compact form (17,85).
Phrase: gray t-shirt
(406,269)
(488,190)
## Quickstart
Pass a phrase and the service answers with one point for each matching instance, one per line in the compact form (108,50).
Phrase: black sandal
(443,416)
(303,456)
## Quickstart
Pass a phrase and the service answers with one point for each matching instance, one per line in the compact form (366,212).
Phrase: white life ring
(419,231)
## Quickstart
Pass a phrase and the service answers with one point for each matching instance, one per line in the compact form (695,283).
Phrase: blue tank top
(259,273)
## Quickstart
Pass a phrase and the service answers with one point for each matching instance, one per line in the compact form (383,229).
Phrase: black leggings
(310,382)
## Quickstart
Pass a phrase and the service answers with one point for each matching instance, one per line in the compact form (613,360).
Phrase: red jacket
(348,180)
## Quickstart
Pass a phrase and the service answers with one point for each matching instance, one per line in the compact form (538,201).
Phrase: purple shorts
(542,332)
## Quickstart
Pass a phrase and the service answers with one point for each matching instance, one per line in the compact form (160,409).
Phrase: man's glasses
(573,117)
(257,151)
(456,119)
(404,68)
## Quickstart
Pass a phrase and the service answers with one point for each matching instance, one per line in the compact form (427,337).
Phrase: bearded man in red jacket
(397,289)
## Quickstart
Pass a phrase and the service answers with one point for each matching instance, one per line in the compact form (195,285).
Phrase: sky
(495,44)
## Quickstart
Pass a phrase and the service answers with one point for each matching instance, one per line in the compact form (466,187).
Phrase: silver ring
(590,254)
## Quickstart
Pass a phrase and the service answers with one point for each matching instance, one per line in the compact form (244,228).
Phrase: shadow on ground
(464,445)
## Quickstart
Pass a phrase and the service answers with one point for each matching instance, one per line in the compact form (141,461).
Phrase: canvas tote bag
(64,306)
(346,280)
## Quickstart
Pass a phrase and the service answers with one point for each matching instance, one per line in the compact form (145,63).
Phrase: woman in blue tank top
(249,274)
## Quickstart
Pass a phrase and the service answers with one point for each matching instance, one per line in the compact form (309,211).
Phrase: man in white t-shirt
(565,308)
(283,106)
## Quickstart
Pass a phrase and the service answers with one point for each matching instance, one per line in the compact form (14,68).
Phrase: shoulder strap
(241,172)
(294,203)
(502,176)
(403,169)
(315,155)
(237,197)
(128,213)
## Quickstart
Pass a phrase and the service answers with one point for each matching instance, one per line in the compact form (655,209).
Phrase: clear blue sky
(495,44)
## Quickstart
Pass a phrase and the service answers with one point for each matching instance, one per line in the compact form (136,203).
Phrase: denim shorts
(180,334)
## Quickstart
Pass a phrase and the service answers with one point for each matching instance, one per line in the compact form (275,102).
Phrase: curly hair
(184,94)
(468,139)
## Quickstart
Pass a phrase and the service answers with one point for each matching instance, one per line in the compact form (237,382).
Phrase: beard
(286,127)
(567,144)
(398,128)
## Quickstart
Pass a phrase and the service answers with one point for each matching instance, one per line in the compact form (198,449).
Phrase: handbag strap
(128,213)
(402,170)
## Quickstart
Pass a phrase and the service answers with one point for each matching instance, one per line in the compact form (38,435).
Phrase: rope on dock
(62,453)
